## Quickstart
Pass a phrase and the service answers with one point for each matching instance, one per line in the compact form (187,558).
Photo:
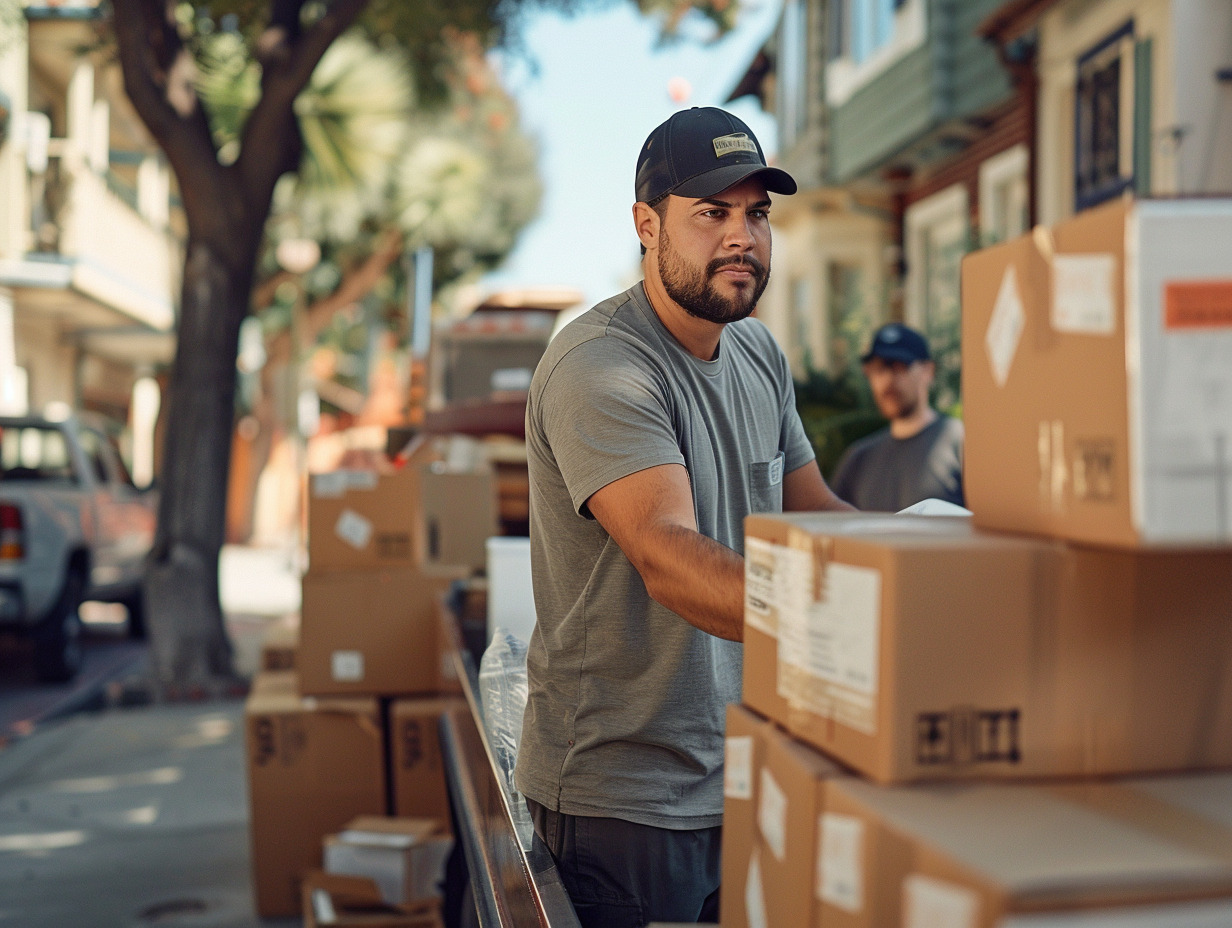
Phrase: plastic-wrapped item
(502,690)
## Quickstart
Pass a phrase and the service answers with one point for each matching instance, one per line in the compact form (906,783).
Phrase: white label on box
(738,767)
(835,640)
(772,815)
(361,479)
(932,903)
(347,666)
(329,486)
(755,893)
(354,529)
(1082,294)
(1005,327)
(761,569)
(844,628)
(840,870)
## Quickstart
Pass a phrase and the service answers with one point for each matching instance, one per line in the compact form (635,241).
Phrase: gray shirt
(625,716)
(881,473)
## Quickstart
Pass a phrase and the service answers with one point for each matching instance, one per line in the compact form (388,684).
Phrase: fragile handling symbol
(965,735)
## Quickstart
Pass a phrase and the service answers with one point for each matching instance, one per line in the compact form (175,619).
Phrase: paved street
(136,816)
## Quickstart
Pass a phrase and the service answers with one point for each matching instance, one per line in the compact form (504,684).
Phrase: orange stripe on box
(1198,304)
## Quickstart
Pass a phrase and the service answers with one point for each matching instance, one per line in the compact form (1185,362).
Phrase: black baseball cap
(700,151)
(897,342)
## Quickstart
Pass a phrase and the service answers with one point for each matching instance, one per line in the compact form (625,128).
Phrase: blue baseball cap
(897,342)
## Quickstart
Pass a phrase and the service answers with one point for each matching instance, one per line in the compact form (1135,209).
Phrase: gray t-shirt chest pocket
(766,484)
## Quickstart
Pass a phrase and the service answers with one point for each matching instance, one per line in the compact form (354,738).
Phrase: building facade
(90,255)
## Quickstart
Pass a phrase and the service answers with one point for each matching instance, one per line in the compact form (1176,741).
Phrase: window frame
(1087,195)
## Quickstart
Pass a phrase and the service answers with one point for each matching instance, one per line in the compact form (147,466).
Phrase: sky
(599,87)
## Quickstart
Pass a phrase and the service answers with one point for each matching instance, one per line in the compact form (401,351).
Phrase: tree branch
(149,49)
(288,63)
(355,285)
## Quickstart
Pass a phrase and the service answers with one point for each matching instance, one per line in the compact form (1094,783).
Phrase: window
(1003,196)
(865,37)
(850,324)
(792,72)
(1103,120)
(34,453)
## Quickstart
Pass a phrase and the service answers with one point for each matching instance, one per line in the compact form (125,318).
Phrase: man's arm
(650,515)
(805,490)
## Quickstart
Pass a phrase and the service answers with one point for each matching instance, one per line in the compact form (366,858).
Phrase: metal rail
(513,877)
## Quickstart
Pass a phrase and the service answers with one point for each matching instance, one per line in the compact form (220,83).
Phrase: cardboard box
(313,765)
(334,901)
(917,647)
(371,632)
(1131,854)
(1097,377)
(743,755)
(362,520)
(405,857)
(278,648)
(790,800)
(417,768)
(459,516)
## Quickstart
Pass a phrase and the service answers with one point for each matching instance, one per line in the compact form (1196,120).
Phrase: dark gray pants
(623,875)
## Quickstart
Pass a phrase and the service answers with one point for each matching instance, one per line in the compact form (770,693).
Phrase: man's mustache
(758,269)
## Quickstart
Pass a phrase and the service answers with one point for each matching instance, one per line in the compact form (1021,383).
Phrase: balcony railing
(89,223)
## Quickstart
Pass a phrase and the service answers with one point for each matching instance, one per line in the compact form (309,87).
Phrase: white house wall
(1068,31)
(805,246)
(1203,106)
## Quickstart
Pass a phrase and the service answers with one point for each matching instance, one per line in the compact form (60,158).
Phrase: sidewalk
(139,816)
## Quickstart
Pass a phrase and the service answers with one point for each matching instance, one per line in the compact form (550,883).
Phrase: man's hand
(650,515)
(805,490)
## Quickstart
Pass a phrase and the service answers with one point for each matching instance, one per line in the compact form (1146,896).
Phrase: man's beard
(696,293)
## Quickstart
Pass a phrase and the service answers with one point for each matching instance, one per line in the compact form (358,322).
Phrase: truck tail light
(12,533)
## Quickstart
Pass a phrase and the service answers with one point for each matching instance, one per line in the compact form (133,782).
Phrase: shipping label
(738,767)
(840,861)
(829,640)
(1198,304)
(772,814)
(1083,294)
(761,571)
(933,903)
(1005,327)
(353,529)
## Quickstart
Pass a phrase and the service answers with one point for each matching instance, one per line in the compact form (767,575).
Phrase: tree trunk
(188,640)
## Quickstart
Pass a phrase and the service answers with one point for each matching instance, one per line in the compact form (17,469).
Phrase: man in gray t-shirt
(656,422)
(918,456)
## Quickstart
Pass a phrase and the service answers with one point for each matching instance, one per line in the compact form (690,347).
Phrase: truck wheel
(57,640)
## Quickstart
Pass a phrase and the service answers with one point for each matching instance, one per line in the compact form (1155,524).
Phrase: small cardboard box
(917,647)
(362,520)
(334,901)
(790,803)
(371,632)
(278,647)
(459,515)
(313,765)
(1135,854)
(405,857)
(1097,377)
(417,768)
(743,755)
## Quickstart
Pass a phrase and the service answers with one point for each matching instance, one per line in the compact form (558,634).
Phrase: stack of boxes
(349,726)
(1023,718)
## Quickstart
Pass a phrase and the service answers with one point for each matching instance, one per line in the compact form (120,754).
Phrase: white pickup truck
(73,527)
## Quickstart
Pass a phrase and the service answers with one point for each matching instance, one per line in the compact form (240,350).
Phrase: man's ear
(646,222)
